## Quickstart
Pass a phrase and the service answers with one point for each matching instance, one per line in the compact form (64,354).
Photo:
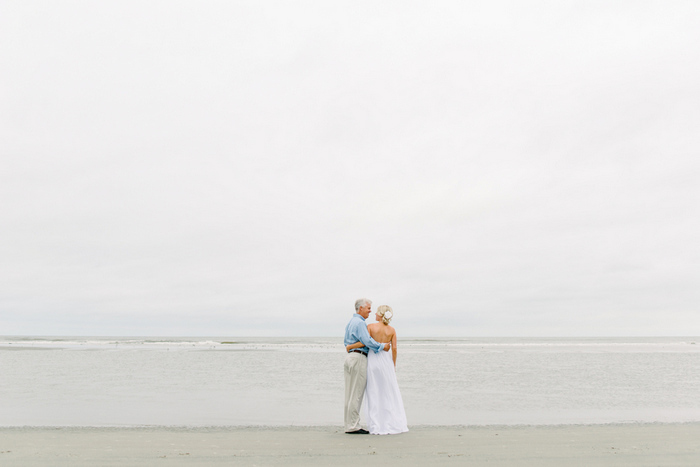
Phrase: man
(356,365)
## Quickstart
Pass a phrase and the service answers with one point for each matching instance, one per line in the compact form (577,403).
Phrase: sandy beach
(572,445)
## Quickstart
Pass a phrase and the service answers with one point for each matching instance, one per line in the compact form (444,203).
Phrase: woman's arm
(393,348)
(356,345)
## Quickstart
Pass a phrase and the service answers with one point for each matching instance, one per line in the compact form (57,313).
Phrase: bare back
(384,333)
(381,332)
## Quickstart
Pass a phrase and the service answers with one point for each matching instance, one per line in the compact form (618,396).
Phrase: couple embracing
(370,371)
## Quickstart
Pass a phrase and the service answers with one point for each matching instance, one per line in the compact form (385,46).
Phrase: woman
(385,412)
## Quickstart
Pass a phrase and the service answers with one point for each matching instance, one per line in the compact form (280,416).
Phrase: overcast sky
(252,167)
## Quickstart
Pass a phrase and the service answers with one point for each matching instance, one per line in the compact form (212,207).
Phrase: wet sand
(570,445)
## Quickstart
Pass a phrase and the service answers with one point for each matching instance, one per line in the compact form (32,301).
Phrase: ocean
(228,381)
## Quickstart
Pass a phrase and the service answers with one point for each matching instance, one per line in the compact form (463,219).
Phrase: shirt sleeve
(366,339)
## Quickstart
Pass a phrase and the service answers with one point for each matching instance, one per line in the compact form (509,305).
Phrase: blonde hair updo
(386,313)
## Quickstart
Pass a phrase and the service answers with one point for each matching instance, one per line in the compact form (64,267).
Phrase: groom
(356,365)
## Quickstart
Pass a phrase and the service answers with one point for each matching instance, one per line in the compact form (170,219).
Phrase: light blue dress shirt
(356,330)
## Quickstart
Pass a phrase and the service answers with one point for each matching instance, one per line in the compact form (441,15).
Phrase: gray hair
(360,302)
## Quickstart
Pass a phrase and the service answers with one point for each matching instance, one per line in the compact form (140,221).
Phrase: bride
(385,412)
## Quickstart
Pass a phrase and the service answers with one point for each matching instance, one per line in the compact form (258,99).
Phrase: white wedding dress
(385,412)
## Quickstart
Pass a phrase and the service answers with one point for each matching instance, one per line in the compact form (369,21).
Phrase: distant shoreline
(296,381)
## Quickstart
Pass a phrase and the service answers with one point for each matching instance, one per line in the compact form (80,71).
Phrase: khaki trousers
(355,383)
